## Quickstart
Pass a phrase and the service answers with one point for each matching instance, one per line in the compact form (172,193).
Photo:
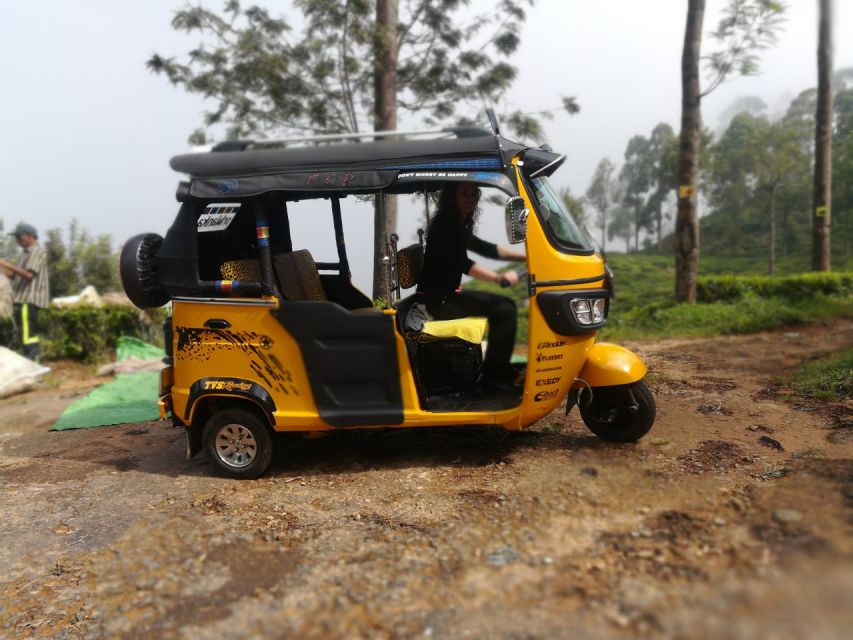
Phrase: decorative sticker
(217,216)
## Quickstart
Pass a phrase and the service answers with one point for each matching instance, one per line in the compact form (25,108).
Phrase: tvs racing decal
(227,385)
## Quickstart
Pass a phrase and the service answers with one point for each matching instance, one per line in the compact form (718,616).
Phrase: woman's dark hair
(447,201)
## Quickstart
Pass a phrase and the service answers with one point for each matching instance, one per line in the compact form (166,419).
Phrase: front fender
(609,364)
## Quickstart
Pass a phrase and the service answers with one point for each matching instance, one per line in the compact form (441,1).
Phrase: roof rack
(470,131)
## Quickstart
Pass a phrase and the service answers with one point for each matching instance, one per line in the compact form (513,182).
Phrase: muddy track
(732,518)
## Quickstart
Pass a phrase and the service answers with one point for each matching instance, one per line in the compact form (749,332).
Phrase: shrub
(733,288)
(90,334)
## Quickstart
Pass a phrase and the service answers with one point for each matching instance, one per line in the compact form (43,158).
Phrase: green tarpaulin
(131,397)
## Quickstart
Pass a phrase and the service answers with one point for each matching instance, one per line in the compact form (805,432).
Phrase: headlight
(589,311)
(598,310)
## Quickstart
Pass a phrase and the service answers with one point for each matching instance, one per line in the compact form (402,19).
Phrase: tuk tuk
(262,338)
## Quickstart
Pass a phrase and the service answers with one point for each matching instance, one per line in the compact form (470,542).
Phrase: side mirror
(516,219)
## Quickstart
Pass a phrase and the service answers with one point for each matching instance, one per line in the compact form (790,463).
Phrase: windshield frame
(582,247)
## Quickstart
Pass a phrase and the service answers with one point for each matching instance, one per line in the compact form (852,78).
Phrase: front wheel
(238,442)
(622,413)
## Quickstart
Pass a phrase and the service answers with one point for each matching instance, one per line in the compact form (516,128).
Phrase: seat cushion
(298,276)
(468,329)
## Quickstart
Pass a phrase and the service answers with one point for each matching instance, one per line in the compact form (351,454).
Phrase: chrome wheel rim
(236,445)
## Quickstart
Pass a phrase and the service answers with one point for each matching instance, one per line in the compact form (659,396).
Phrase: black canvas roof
(355,167)
(476,152)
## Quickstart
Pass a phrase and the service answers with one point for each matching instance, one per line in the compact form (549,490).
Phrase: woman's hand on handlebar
(508,278)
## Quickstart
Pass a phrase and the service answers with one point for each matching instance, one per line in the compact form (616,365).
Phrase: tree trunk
(384,119)
(785,233)
(660,231)
(687,219)
(604,230)
(771,255)
(821,193)
(637,230)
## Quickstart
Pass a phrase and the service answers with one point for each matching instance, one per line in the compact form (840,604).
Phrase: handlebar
(504,282)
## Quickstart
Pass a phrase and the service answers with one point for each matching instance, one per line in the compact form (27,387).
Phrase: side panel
(352,357)
(253,348)
(553,360)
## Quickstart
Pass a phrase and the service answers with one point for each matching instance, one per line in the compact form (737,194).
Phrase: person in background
(449,237)
(29,287)
(7,326)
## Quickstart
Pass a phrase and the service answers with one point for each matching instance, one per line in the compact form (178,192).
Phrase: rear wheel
(238,442)
(622,413)
(138,273)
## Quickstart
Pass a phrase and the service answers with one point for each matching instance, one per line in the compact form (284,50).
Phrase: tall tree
(265,77)
(600,195)
(821,195)
(746,27)
(663,160)
(384,119)
(575,206)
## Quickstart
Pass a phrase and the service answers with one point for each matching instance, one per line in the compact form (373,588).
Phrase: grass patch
(721,318)
(830,379)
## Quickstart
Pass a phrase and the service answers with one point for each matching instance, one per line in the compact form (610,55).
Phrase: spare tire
(138,273)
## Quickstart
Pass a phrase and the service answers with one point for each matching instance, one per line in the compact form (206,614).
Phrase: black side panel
(341,290)
(177,258)
(351,359)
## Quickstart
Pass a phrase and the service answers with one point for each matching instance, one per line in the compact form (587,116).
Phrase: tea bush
(732,288)
(90,334)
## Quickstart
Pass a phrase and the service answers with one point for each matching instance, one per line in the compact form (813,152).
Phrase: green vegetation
(830,379)
(734,297)
(721,318)
(738,302)
(90,334)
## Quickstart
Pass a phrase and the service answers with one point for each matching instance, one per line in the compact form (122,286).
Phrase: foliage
(829,379)
(77,259)
(600,194)
(747,27)
(91,333)
(722,318)
(315,72)
(729,288)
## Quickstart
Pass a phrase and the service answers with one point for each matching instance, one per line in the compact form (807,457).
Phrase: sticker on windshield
(217,216)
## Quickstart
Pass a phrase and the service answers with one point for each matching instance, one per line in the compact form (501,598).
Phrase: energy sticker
(217,216)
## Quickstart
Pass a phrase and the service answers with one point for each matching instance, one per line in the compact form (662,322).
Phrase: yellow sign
(686,191)
(821,211)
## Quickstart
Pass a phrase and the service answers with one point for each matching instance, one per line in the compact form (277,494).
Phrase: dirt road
(732,518)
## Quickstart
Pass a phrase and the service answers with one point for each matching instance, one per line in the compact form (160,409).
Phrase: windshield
(556,219)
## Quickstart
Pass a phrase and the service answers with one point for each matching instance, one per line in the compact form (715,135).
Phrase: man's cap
(24,229)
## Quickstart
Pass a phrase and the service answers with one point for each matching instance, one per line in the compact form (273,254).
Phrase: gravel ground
(731,519)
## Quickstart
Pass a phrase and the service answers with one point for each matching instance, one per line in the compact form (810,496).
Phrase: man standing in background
(29,287)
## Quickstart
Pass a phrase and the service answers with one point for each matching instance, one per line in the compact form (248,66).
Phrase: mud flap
(194,442)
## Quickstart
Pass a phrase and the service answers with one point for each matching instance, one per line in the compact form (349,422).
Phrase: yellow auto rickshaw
(262,338)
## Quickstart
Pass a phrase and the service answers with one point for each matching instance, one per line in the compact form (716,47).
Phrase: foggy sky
(88,131)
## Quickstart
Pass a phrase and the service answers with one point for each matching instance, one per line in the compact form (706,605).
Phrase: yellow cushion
(469,329)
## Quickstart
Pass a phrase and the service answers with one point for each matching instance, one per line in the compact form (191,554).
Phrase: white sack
(17,373)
